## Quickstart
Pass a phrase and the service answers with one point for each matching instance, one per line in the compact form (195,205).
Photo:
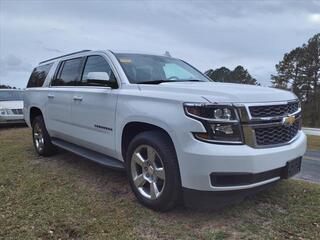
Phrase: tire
(41,139)
(163,191)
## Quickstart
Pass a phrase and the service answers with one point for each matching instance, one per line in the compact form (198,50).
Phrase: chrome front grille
(17,111)
(274,110)
(267,125)
(276,135)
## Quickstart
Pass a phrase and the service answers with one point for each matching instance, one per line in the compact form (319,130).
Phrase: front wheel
(153,170)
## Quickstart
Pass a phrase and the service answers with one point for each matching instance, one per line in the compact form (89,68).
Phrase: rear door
(60,96)
(93,108)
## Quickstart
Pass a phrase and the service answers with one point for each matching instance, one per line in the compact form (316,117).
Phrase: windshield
(143,68)
(11,96)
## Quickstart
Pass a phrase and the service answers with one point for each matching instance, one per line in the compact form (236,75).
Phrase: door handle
(51,96)
(77,98)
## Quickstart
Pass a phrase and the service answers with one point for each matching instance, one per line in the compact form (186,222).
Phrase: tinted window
(38,75)
(11,95)
(97,64)
(69,73)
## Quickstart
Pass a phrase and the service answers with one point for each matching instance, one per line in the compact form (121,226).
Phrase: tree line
(6,87)
(237,75)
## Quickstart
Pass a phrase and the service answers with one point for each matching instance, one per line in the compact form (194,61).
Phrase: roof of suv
(167,54)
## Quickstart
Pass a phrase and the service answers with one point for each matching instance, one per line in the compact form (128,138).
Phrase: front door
(93,108)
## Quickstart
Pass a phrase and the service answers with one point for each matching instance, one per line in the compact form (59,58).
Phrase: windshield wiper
(166,81)
(155,81)
(192,80)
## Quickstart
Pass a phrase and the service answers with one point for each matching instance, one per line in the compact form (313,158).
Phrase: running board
(89,154)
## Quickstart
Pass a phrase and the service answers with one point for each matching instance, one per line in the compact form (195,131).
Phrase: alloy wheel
(38,137)
(148,172)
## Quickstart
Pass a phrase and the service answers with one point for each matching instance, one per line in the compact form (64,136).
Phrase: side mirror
(98,77)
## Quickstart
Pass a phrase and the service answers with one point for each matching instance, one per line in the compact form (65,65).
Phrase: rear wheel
(153,170)
(41,138)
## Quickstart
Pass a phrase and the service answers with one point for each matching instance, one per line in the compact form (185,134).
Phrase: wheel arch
(133,128)
(34,112)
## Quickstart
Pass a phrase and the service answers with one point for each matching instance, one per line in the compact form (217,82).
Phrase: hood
(11,104)
(220,92)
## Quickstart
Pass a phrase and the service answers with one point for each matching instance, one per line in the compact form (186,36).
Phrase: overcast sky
(207,34)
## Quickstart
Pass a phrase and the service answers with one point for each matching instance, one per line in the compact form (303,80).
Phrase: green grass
(313,143)
(67,197)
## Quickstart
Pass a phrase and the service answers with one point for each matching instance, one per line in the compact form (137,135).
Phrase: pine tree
(219,74)
(241,75)
(238,75)
(299,71)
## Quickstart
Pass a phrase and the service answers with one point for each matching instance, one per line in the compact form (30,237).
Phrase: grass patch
(313,143)
(68,197)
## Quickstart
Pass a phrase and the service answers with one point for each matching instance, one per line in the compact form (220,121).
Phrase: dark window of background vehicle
(69,73)
(11,95)
(38,75)
(97,64)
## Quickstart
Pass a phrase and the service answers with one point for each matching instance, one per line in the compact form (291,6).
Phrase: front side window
(97,64)
(143,68)
(39,75)
(69,73)
(11,95)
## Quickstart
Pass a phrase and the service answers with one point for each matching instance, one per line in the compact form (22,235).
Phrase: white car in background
(11,105)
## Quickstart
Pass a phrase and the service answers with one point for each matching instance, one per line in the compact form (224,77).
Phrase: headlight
(220,120)
(4,111)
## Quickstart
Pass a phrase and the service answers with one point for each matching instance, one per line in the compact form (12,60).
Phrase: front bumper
(11,119)
(198,160)
(217,200)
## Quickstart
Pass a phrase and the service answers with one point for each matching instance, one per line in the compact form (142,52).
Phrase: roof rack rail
(64,56)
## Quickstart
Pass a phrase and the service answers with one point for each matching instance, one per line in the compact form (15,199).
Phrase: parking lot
(66,196)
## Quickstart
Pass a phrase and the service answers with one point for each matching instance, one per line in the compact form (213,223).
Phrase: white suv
(178,134)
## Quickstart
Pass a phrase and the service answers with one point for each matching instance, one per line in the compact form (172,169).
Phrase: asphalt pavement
(310,168)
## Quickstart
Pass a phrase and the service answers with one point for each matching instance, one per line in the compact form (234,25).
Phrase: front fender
(165,114)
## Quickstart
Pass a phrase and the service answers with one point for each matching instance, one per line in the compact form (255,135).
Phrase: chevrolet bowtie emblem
(288,121)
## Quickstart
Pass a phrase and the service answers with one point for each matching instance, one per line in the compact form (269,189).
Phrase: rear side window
(69,73)
(38,75)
